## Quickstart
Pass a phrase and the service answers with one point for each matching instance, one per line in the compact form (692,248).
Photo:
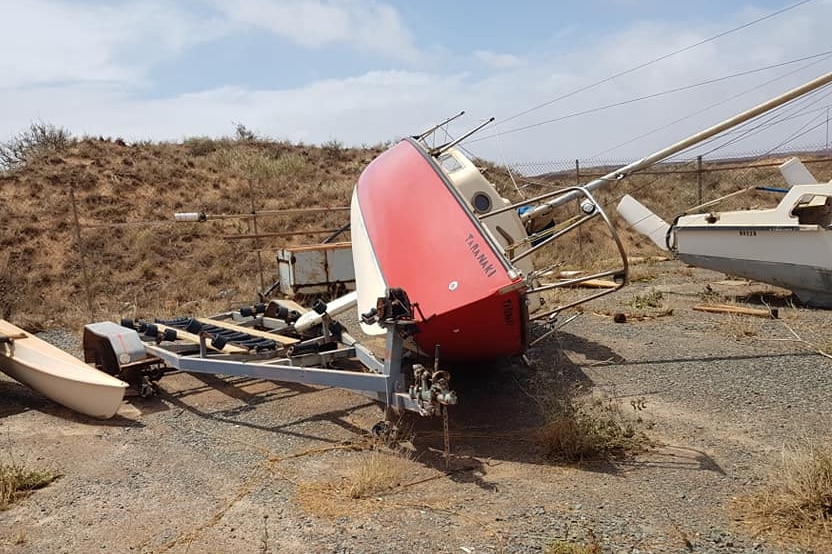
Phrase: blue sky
(364,72)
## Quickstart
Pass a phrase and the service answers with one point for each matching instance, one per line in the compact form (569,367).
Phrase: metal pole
(580,229)
(253,221)
(686,143)
(699,179)
(81,253)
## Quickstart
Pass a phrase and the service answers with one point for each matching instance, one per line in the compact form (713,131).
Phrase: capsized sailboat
(427,223)
(412,229)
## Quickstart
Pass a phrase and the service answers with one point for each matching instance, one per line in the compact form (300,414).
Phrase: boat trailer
(265,342)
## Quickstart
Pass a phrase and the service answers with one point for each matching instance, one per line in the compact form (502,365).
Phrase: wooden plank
(729,309)
(190,337)
(285,341)
(647,259)
(596,284)
(292,305)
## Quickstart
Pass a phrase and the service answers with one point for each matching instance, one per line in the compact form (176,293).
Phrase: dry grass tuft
(363,476)
(17,481)
(741,327)
(798,501)
(376,472)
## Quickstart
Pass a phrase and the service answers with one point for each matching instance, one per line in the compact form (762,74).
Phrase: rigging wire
(788,118)
(823,57)
(816,122)
(802,131)
(656,60)
(819,121)
(790,110)
(761,124)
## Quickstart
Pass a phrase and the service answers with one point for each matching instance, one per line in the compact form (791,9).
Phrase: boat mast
(656,157)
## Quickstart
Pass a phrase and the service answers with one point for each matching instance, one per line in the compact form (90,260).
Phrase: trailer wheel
(382,429)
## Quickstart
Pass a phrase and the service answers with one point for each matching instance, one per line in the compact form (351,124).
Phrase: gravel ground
(240,465)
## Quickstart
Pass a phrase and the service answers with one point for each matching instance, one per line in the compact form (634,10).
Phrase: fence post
(698,180)
(81,252)
(253,222)
(580,228)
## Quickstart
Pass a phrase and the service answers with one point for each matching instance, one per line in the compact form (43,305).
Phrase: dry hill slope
(141,263)
(120,191)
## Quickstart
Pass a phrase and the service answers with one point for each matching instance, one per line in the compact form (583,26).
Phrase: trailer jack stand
(430,390)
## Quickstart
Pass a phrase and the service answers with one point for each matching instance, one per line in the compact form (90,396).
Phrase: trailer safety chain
(447,436)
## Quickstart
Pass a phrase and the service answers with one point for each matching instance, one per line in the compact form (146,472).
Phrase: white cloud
(367,25)
(49,41)
(94,54)
(368,109)
(495,60)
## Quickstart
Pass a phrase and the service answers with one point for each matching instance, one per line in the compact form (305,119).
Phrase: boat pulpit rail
(536,242)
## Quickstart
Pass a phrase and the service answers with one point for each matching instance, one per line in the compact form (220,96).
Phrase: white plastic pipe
(337,306)
(187,216)
(643,221)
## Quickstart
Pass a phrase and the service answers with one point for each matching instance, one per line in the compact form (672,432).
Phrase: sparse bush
(39,138)
(250,162)
(243,133)
(580,426)
(333,147)
(291,164)
(201,146)
(587,428)
(17,481)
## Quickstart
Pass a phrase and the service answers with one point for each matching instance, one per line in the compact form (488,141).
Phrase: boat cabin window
(449,163)
(481,203)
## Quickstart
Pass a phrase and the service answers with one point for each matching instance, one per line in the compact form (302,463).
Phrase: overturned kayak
(58,375)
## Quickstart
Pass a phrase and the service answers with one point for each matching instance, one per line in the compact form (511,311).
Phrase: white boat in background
(58,375)
(788,246)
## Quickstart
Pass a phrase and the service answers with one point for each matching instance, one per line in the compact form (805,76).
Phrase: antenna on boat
(435,127)
(440,149)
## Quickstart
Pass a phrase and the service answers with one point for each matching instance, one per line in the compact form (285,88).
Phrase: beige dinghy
(58,375)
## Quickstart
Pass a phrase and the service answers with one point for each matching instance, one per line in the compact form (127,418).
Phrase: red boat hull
(426,241)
